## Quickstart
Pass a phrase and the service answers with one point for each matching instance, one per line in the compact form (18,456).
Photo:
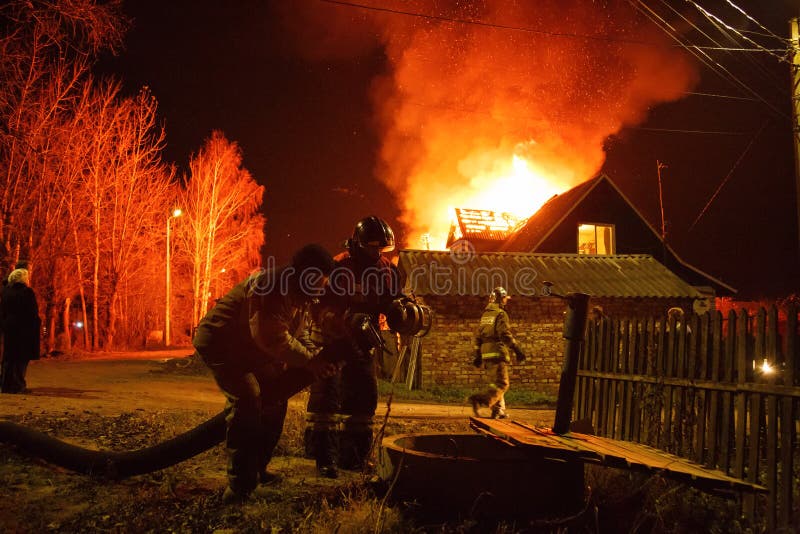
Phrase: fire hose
(122,464)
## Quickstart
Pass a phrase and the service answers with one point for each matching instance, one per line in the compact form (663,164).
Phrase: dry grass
(36,497)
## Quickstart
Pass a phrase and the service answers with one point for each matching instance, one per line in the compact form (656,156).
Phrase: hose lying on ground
(122,464)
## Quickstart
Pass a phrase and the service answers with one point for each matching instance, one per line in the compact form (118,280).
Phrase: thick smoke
(545,80)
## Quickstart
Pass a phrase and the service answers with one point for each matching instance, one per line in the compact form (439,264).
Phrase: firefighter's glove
(478,361)
(520,355)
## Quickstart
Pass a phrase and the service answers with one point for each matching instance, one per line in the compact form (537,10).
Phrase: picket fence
(720,391)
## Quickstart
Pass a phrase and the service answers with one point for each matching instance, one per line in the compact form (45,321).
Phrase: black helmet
(371,237)
(498,294)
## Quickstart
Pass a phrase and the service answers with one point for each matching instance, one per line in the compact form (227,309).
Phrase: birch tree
(223,226)
(126,187)
(46,48)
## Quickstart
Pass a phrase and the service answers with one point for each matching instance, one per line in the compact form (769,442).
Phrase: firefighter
(363,281)
(248,340)
(492,343)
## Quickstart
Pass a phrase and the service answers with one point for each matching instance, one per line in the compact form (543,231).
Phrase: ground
(126,401)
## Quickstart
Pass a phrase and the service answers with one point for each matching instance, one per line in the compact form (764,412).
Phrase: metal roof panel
(431,272)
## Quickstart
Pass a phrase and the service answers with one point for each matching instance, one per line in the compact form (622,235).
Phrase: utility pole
(660,166)
(795,66)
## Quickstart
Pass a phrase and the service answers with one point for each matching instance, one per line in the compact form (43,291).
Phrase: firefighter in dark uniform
(363,281)
(248,339)
(493,341)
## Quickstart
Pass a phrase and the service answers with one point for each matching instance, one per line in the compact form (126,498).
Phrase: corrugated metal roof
(467,273)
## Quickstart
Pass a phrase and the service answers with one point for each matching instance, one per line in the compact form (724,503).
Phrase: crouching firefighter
(363,281)
(249,340)
(493,341)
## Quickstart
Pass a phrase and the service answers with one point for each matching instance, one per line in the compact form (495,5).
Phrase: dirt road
(115,383)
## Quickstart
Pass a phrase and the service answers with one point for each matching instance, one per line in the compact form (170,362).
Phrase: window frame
(613,228)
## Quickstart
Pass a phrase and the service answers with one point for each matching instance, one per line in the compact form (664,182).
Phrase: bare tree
(126,187)
(223,227)
(45,51)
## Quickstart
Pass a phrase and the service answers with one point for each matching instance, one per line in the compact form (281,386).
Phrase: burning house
(589,239)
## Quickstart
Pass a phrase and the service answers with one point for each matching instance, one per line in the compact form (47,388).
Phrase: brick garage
(537,320)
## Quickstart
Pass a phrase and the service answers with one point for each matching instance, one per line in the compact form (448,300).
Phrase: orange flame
(505,113)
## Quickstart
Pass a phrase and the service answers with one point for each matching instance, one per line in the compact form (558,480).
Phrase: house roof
(446,273)
(542,223)
(486,225)
(547,218)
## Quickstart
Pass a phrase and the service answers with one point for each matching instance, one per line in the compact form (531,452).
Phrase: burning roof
(483,225)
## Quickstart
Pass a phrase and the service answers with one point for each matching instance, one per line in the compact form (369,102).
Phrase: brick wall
(537,323)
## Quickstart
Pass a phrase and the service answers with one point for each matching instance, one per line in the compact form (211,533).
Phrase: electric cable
(752,62)
(710,16)
(769,32)
(728,176)
(443,18)
(712,64)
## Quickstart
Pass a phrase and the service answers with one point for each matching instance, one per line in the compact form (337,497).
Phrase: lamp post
(167,337)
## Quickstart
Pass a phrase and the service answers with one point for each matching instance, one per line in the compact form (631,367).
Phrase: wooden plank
(666,442)
(630,361)
(726,427)
(658,392)
(791,364)
(640,366)
(788,415)
(679,393)
(713,413)
(611,406)
(690,397)
(598,385)
(754,450)
(772,422)
(612,453)
(582,406)
(702,374)
(747,387)
(590,384)
(741,397)
(608,336)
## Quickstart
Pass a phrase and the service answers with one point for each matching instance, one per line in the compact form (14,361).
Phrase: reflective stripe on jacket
(494,336)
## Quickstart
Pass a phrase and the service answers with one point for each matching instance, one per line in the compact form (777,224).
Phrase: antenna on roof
(660,166)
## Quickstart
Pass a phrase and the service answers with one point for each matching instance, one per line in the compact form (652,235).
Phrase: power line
(731,97)
(710,16)
(750,60)
(484,24)
(519,28)
(675,130)
(703,57)
(730,173)
(769,32)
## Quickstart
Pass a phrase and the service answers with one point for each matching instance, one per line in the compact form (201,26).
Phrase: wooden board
(612,453)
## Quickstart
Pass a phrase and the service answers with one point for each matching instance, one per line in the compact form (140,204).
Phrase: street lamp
(167,337)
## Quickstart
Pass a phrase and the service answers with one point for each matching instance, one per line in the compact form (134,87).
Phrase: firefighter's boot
(475,401)
(355,450)
(325,448)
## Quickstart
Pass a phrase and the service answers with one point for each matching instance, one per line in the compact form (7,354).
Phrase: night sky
(308,134)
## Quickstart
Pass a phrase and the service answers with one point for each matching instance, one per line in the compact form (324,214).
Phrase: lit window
(596,239)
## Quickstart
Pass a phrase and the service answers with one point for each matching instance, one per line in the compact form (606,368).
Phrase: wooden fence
(722,392)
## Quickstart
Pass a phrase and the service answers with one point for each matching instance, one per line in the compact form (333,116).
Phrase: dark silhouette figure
(19,317)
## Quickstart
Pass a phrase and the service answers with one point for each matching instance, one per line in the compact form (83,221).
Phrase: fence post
(574,329)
